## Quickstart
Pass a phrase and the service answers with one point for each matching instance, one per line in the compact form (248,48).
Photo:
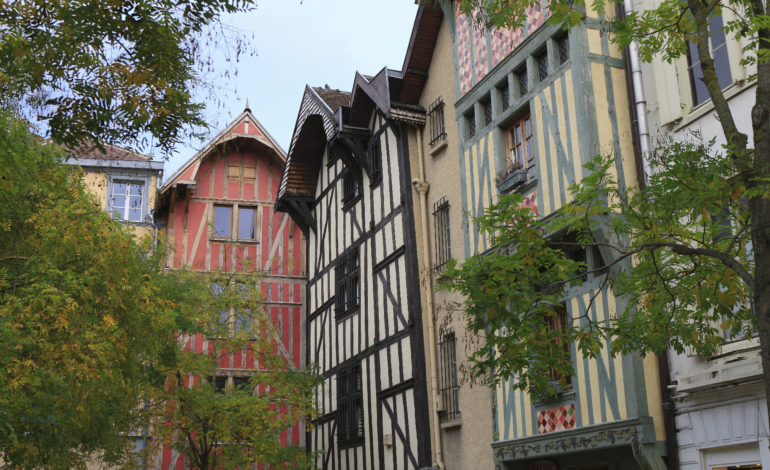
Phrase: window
(347,274)
(126,201)
(350,189)
(558,322)
(247,222)
(542,66)
(241,383)
(470,122)
(247,228)
(523,81)
(219,383)
(222,220)
(350,406)
(449,391)
(487,105)
(563,45)
(441,228)
(436,121)
(505,95)
(374,155)
(589,255)
(700,93)
(518,140)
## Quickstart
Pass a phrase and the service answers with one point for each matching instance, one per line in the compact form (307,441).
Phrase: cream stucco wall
(466,441)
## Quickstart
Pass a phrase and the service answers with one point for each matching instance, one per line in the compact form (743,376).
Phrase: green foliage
(242,424)
(111,71)
(678,255)
(85,314)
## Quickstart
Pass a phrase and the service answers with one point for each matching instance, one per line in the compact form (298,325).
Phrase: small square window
(542,66)
(563,43)
(523,81)
(223,221)
(127,200)
(219,383)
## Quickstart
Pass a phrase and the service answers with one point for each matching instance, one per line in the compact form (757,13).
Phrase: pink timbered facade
(216,213)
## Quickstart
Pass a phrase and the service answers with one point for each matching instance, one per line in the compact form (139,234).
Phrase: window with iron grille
(523,81)
(350,189)
(505,95)
(563,43)
(350,406)
(441,229)
(542,66)
(470,119)
(374,155)
(448,377)
(347,273)
(487,111)
(436,121)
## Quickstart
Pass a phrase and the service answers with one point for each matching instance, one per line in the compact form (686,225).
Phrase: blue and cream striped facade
(612,415)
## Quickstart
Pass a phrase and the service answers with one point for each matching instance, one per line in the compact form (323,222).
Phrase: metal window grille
(436,121)
(505,95)
(441,231)
(470,118)
(350,405)
(349,186)
(487,112)
(542,66)
(346,296)
(374,154)
(448,377)
(563,49)
(521,77)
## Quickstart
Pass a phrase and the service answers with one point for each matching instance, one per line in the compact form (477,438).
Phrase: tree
(86,314)
(219,423)
(708,274)
(121,71)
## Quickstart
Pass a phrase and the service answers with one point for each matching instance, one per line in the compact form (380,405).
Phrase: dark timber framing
(381,338)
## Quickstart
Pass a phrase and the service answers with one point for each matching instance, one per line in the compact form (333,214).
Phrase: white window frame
(126,210)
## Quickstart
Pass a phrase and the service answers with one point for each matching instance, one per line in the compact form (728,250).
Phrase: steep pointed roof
(244,129)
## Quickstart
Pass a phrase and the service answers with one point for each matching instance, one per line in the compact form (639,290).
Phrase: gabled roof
(419,53)
(244,129)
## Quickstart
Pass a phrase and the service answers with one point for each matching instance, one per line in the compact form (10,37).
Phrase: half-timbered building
(533,105)
(217,214)
(346,182)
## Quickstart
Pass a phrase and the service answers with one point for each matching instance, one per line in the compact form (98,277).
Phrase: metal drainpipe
(640,111)
(639,100)
(422,187)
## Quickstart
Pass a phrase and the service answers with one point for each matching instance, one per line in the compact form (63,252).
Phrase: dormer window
(127,200)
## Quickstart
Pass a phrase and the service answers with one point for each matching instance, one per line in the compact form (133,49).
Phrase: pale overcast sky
(315,42)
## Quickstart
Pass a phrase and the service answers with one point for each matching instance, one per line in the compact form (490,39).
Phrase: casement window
(562,44)
(436,122)
(347,276)
(219,382)
(518,140)
(441,233)
(487,106)
(350,406)
(542,66)
(245,225)
(522,81)
(350,188)
(374,155)
(448,383)
(232,318)
(590,255)
(127,200)
(718,44)
(505,95)
(558,322)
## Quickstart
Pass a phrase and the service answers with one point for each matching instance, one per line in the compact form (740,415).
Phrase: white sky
(315,42)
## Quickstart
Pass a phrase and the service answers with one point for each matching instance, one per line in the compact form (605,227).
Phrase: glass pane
(222,221)
(119,188)
(246,223)
(135,215)
(135,202)
(118,202)
(527,130)
(136,189)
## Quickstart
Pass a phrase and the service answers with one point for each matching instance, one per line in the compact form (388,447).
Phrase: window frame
(441,233)
(351,189)
(436,122)
(721,56)
(350,405)
(558,323)
(529,160)
(235,229)
(449,387)
(125,217)
(347,293)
